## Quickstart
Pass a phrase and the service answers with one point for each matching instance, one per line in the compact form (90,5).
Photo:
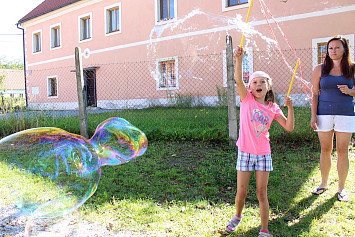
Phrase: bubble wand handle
(293,77)
(241,42)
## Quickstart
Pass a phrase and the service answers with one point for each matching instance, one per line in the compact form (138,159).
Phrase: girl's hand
(238,53)
(344,89)
(288,101)
(314,123)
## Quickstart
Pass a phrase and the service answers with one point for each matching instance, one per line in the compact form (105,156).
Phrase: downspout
(24,60)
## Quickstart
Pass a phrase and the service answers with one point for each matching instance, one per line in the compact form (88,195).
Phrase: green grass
(185,184)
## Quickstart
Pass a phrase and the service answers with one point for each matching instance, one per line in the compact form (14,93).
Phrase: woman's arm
(289,122)
(315,91)
(238,74)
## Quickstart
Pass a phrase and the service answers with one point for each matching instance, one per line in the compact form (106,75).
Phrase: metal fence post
(81,93)
(232,110)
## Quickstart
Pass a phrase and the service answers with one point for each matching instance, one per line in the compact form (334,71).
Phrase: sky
(11,46)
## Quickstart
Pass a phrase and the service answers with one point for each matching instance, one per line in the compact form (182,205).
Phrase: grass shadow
(293,221)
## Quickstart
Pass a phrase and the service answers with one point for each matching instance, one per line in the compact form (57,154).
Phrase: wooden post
(232,110)
(81,93)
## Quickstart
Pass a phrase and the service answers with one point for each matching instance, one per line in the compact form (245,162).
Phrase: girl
(333,111)
(257,111)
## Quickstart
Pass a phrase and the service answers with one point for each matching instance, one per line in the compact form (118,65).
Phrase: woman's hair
(347,66)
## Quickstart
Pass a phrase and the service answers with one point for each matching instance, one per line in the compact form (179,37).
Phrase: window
(322,51)
(247,65)
(228,5)
(235,2)
(167,69)
(85,26)
(55,36)
(166,10)
(52,86)
(37,42)
(113,19)
(246,68)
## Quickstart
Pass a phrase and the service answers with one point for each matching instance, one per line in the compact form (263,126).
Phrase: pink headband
(260,74)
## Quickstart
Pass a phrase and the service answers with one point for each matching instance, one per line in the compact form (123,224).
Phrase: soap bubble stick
(241,42)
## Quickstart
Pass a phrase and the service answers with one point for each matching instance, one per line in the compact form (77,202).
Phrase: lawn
(185,184)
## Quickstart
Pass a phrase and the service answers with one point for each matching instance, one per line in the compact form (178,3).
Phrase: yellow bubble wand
(293,77)
(241,42)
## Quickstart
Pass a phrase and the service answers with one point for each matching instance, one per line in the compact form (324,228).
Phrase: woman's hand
(344,89)
(314,123)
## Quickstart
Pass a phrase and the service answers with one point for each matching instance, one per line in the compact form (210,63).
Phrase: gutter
(24,60)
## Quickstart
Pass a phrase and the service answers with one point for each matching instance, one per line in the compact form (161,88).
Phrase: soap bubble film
(52,172)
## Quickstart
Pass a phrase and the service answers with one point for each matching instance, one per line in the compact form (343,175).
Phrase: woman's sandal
(343,197)
(319,191)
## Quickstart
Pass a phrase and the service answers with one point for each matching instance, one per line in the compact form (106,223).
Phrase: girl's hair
(347,66)
(270,96)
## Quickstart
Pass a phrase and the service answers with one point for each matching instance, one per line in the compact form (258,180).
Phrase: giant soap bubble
(54,172)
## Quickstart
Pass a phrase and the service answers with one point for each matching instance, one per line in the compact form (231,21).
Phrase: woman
(333,110)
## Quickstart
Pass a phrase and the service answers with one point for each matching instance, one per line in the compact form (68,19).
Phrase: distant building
(13,84)
(171,33)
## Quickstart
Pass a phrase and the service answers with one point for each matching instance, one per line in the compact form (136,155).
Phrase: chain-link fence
(185,82)
(176,81)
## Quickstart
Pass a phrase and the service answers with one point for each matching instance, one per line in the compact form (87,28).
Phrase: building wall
(199,29)
(14,83)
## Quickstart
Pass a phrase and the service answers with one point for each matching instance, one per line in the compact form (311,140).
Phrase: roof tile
(45,7)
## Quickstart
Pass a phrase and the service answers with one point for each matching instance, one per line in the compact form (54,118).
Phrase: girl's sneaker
(264,234)
(232,225)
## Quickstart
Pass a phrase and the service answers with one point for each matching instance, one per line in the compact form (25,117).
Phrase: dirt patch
(13,225)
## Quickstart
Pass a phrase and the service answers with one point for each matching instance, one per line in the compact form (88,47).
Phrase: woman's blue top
(331,101)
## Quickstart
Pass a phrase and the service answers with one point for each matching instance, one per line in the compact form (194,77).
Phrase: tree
(6,64)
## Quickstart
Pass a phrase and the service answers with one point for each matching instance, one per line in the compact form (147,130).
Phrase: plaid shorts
(250,162)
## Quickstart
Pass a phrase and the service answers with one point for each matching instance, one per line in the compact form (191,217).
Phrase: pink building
(13,83)
(146,52)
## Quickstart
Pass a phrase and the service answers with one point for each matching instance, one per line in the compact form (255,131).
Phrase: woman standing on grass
(257,111)
(333,110)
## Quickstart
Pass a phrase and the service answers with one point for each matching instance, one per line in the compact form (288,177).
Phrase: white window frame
(49,86)
(33,42)
(81,30)
(316,41)
(157,14)
(176,63)
(225,8)
(249,52)
(52,47)
(107,25)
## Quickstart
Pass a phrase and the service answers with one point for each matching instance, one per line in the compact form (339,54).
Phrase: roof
(45,7)
(15,79)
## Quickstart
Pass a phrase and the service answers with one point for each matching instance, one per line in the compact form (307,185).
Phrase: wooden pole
(81,93)
(232,110)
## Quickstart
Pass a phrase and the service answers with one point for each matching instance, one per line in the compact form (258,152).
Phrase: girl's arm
(289,122)
(238,74)
(315,90)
